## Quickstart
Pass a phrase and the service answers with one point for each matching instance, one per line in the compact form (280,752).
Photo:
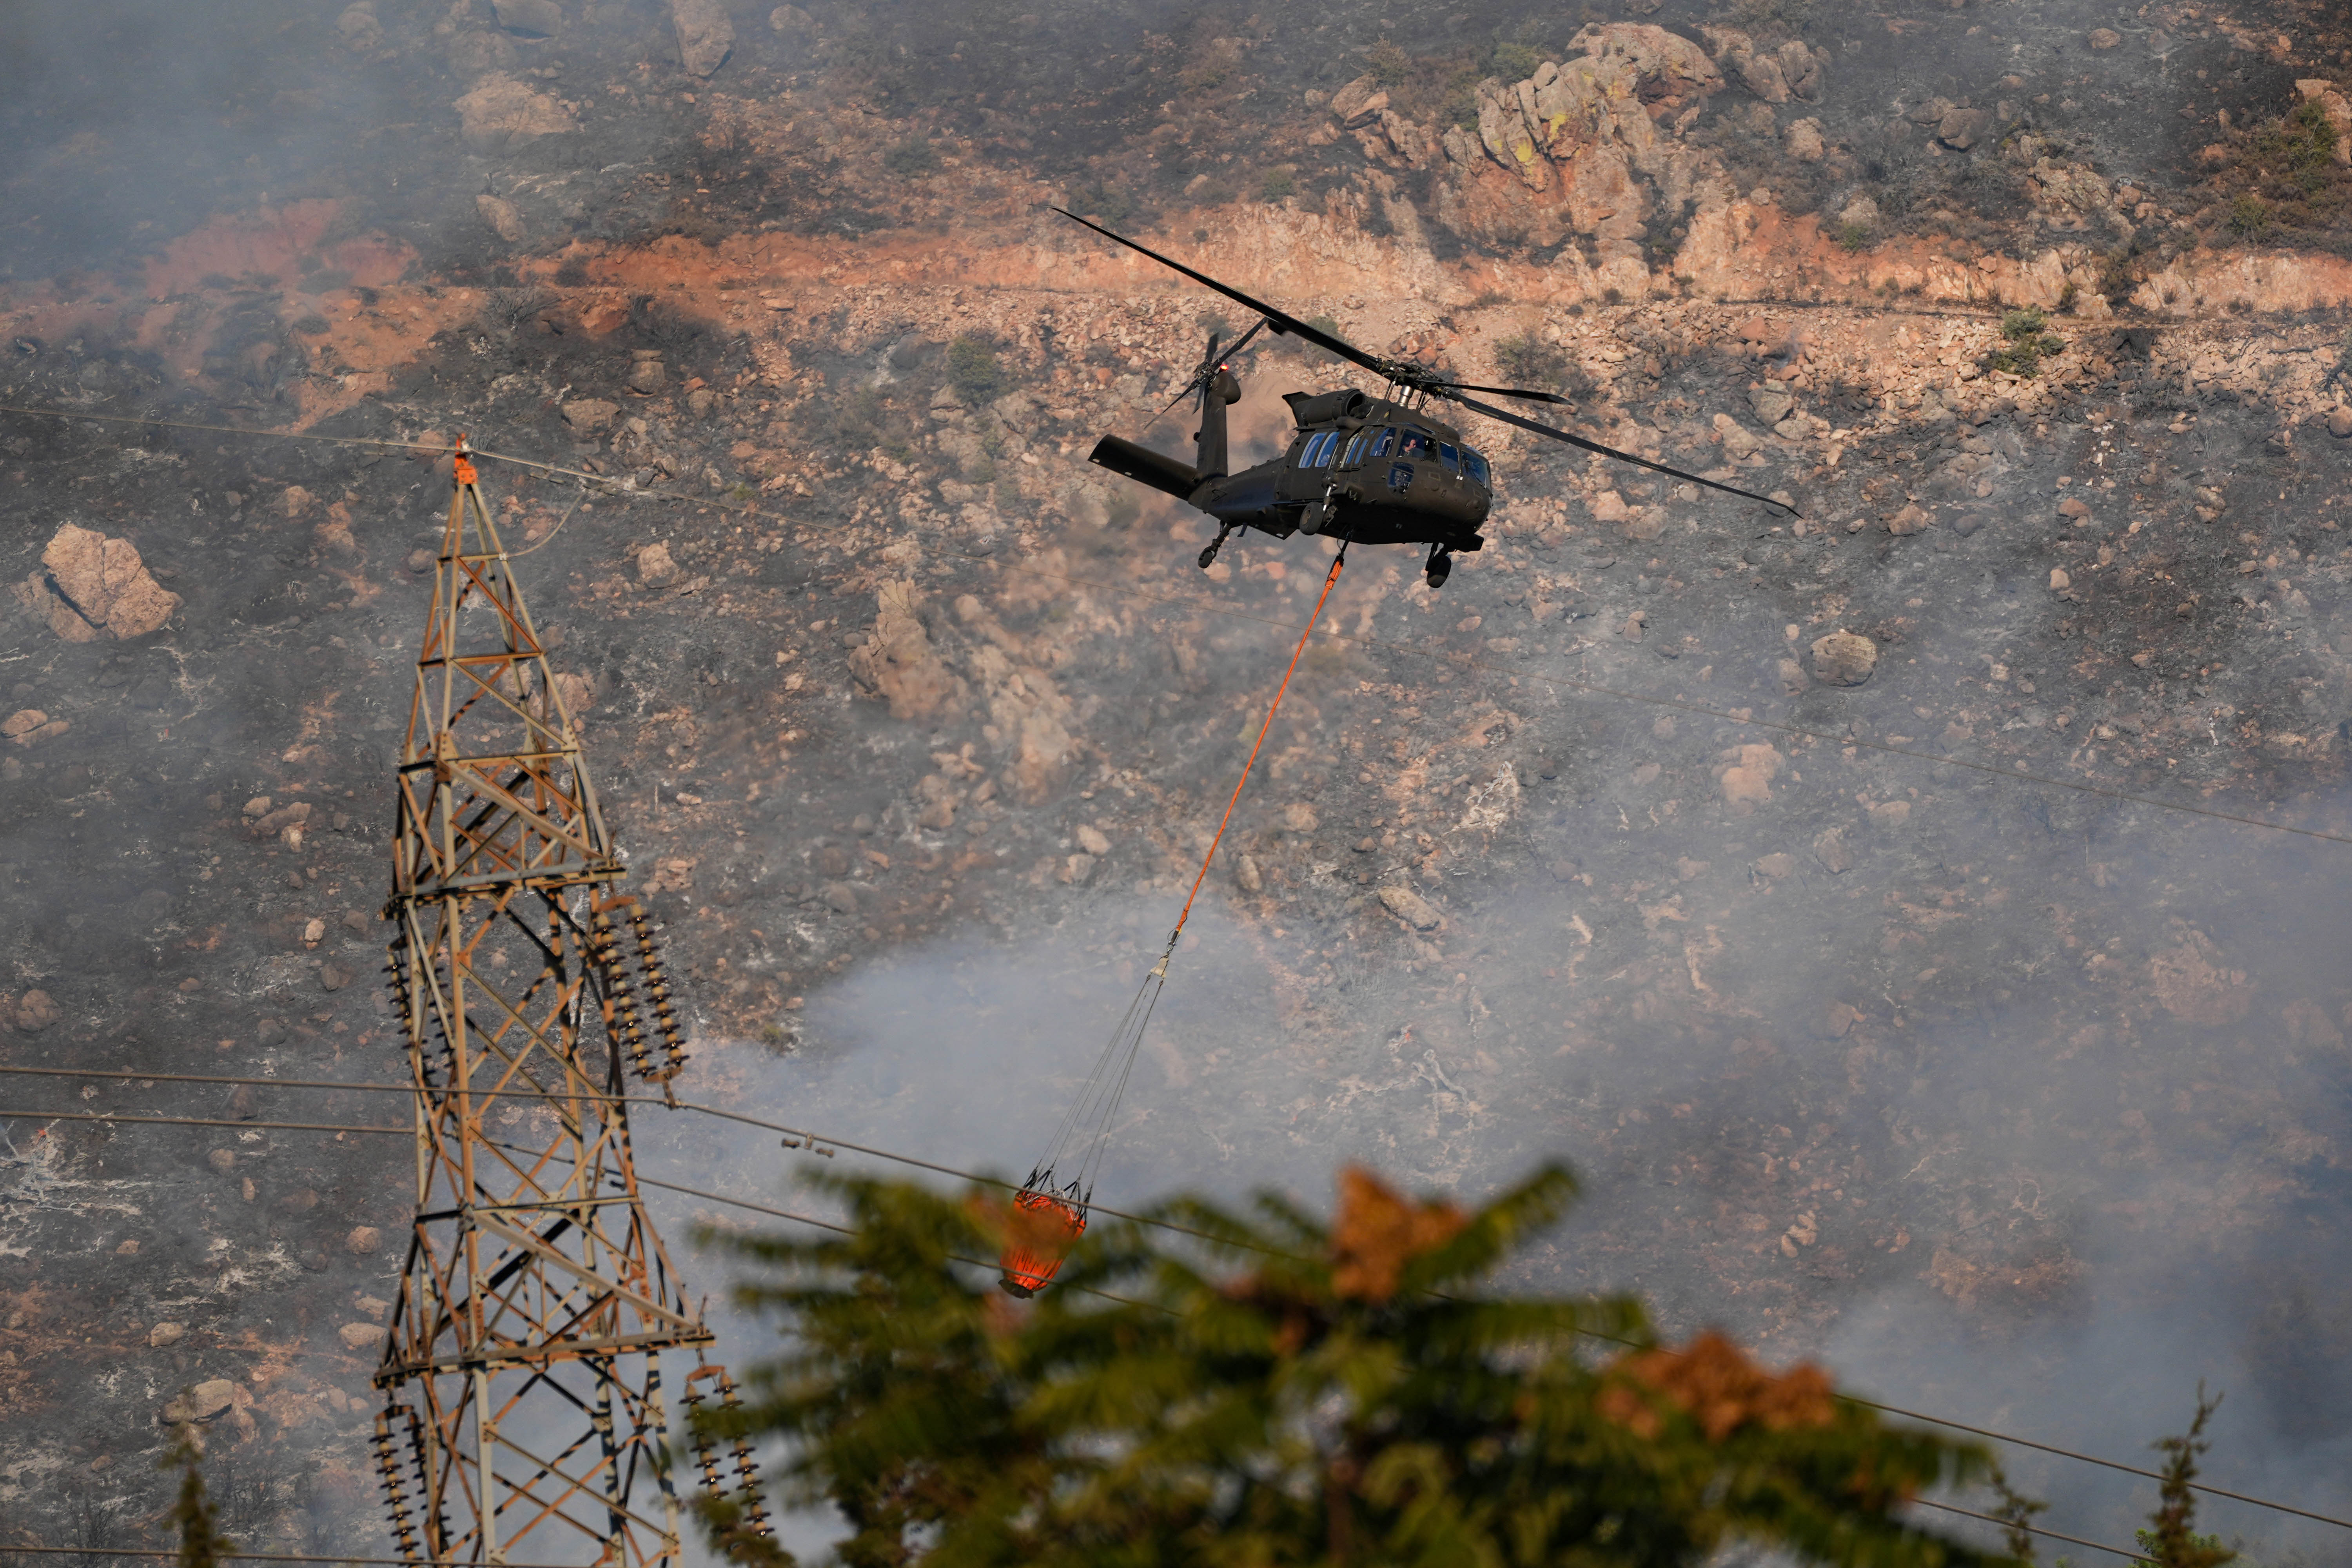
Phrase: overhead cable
(2031,1529)
(229,430)
(805,1139)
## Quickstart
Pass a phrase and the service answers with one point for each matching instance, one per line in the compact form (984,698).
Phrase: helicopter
(1362,469)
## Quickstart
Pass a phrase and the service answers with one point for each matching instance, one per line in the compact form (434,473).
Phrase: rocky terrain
(1833,893)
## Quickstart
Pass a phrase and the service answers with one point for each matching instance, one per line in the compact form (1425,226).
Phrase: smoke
(2029,1114)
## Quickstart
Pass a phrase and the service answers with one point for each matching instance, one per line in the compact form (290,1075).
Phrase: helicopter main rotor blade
(1283,322)
(1280,320)
(1538,427)
(1504,392)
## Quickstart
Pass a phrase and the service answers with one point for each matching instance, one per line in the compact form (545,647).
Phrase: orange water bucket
(1040,1230)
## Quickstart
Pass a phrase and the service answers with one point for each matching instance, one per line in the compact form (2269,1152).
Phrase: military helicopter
(1364,470)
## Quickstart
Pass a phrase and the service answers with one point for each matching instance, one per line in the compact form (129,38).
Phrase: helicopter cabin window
(1385,442)
(1474,467)
(1355,449)
(1452,459)
(1317,453)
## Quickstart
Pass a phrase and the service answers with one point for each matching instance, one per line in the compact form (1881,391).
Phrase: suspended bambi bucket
(1050,1215)
(1038,1234)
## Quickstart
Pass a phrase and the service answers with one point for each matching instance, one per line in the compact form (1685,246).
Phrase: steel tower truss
(525,1417)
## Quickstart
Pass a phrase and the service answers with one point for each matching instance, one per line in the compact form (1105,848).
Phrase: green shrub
(2303,143)
(973,370)
(2249,215)
(1390,64)
(1528,361)
(1515,61)
(910,159)
(1278,185)
(1462,99)
(1107,202)
(2017,325)
(1853,236)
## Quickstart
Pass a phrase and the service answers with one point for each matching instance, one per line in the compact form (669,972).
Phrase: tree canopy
(1268,1390)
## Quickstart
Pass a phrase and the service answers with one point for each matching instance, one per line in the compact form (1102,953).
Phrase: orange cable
(1202,875)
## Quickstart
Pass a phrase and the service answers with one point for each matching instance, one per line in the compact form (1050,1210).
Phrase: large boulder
(1604,198)
(1800,69)
(1844,658)
(92,586)
(207,1401)
(531,19)
(1503,129)
(1570,101)
(501,113)
(1631,50)
(898,663)
(1961,129)
(503,217)
(705,37)
(1355,102)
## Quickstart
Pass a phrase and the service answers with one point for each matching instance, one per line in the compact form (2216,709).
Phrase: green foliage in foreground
(202,1546)
(1287,1393)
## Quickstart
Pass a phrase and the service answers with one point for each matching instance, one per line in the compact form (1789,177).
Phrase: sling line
(1050,1211)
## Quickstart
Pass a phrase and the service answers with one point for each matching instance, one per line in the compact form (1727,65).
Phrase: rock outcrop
(705,37)
(1595,138)
(500,114)
(898,663)
(91,586)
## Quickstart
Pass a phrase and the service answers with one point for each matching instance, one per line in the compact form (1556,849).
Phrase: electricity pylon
(524,1415)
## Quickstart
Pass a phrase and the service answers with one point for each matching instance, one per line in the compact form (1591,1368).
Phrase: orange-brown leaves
(1379,1231)
(1722,1389)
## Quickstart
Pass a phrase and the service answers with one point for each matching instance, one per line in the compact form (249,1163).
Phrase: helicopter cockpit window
(1474,468)
(1452,459)
(1385,442)
(1318,451)
(1416,444)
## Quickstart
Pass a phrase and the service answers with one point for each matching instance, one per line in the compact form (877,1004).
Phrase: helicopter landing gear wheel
(1215,546)
(1316,517)
(1440,567)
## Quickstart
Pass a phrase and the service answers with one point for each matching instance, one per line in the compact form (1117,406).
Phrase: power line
(2095,1459)
(209,1078)
(849,1230)
(204,1122)
(2031,1529)
(812,1140)
(1154,1306)
(229,1556)
(225,430)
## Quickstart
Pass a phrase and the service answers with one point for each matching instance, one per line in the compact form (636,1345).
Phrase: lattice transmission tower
(525,1418)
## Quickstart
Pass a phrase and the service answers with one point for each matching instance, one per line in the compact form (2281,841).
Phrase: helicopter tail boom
(1146,466)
